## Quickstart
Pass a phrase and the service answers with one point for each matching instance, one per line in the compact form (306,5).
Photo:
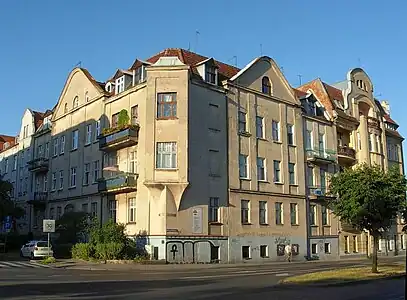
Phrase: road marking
(228,275)
(21,264)
(282,274)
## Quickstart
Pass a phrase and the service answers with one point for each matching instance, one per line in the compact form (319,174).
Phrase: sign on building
(197,220)
(48,226)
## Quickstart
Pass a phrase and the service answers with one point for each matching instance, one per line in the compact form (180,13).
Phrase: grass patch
(345,275)
(48,260)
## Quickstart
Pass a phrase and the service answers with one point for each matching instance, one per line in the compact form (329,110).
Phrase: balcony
(122,183)
(373,123)
(321,156)
(39,200)
(346,155)
(318,192)
(115,139)
(40,164)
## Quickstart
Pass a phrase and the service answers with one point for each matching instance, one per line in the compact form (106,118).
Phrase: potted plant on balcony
(123,122)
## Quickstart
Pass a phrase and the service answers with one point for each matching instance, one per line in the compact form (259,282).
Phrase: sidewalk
(101,266)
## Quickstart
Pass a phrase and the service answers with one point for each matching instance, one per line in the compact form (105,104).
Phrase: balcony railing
(346,152)
(326,155)
(119,138)
(373,122)
(40,196)
(40,164)
(318,192)
(120,183)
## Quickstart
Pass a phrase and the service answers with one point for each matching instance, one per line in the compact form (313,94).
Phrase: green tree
(7,206)
(123,118)
(368,198)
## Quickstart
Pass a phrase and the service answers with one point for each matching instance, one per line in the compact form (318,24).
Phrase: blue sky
(41,41)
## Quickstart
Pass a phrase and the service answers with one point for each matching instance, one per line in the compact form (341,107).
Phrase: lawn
(345,275)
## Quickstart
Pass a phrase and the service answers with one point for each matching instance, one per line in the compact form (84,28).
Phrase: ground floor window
(214,253)
(245,252)
(113,209)
(314,248)
(327,247)
(264,251)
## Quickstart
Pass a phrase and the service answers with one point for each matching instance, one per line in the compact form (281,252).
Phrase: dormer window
(266,85)
(211,73)
(6,145)
(108,87)
(139,75)
(75,102)
(66,108)
(119,85)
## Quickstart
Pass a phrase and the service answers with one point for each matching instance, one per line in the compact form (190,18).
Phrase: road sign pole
(48,244)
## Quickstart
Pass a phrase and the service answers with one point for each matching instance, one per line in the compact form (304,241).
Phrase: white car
(36,249)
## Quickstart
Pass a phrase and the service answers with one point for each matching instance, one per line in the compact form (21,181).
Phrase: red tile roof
(38,119)
(192,59)
(299,93)
(389,120)
(320,92)
(6,139)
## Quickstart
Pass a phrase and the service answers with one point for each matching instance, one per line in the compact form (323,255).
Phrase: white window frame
(263,212)
(96,169)
(313,215)
(290,134)
(45,184)
(61,180)
(261,169)
(54,181)
(277,178)
(165,151)
(292,180)
(75,139)
(295,206)
(133,162)
(97,129)
(243,166)
(86,174)
(62,149)
(132,210)
(119,85)
(88,134)
(245,211)
(72,178)
(242,120)
(259,127)
(281,208)
(276,133)
(214,209)
(55,143)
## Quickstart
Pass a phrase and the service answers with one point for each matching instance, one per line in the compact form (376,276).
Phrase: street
(182,282)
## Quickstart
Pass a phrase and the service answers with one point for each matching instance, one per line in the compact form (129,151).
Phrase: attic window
(211,74)
(119,85)
(266,85)
(75,102)
(66,108)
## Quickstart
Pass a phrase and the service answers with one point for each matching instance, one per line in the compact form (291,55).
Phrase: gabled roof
(7,139)
(38,118)
(320,91)
(192,59)
(138,63)
(299,94)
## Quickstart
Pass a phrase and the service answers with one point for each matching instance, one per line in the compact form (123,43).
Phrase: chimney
(386,106)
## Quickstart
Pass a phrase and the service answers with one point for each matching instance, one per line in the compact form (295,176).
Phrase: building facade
(202,161)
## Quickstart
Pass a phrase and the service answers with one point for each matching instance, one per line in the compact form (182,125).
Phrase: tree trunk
(374,254)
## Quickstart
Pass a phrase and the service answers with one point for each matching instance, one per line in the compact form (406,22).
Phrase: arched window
(66,108)
(75,102)
(87,97)
(68,208)
(266,85)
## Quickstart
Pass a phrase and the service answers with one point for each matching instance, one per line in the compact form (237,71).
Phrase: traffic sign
(48,225)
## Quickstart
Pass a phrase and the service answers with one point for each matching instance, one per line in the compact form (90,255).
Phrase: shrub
(108,251)
(123,118)
(48,260)
(83,251)
(62,250)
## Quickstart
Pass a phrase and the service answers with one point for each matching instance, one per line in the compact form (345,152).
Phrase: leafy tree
(368,198)
(72,227)
(123,118)
(7,206)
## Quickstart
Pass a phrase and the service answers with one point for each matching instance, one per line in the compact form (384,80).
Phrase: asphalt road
(235,282)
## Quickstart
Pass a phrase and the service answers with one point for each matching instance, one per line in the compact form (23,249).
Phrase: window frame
(261,169)
(263,220)
(243,159)
(75,139)
(244,211)
(242,122)
(132,210)
(290,135)
(276,133)
(162,105)
(213,214)
(160,154)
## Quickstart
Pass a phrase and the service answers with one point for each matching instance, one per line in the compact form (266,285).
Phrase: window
(72,182)
(245,211)
(259,127)
(134,115)
(346,240)
(39,151)
(54,181)
(308,140)
(45,182)
(94,209)
(75,139)
(324,214)
(321,143)
(290,134)
(246,252)
(327,248)
(294,213)
(377,143)
(6,165)
(213,209)
(75,102)
(59,212)
(132,210)
(119,85)
(242,121)
(313,215)
(355,244)
(47,150)
(62,150)
(88,134)
(314,248)
(86,172)
(279,213)
(166,105)
(61,180)
(112,209)
(263,212)
(310,176)
(277,171)
(266,85)
(133,162)
(96,164)
(261,169)
(275,126)
(370,143)
(291,173)
(66,108)
(15,162)
(243,172)
(55,146)
(264,251)
(210,74)
(97,129)
(166,155)
(322,177)
(115,120)
(87,99)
